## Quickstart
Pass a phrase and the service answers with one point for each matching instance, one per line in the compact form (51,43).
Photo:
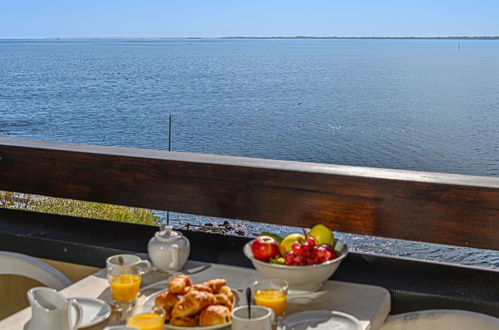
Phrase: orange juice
(148,321)
(125,288)
(272,298)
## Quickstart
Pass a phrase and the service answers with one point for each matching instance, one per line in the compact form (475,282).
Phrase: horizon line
(266,37)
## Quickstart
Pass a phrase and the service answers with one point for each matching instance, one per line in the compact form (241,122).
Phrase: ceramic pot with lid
(168,249)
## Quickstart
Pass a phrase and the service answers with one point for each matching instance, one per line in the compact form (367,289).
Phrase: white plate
(94,311)
(438,319)
(149,303)
(220,326)
(317,320)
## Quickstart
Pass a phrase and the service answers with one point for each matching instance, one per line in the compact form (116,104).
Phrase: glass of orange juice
(147,319)
(271,293)
(124,273)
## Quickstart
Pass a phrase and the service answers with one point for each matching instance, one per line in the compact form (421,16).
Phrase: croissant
(201,287)
(214,315)
(221,299)
(179,285)
(167,300)
(228,292)
(186,321)
(192,303)
(215,285)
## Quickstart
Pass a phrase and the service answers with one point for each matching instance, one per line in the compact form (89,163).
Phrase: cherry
(311,241)
(295,245)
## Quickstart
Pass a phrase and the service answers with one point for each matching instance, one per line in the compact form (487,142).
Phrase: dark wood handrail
(432,207)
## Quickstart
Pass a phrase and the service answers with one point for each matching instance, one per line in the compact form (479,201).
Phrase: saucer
(94,311)
(316,320)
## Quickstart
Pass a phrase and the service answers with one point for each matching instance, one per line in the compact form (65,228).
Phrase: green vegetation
(77,208)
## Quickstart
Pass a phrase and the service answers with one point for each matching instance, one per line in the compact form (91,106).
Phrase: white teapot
(50,310)
(168,249)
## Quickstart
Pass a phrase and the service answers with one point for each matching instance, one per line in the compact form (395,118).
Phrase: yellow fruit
(322,234)
(286,243)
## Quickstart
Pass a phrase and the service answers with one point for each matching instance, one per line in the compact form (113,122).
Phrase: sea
(430,105)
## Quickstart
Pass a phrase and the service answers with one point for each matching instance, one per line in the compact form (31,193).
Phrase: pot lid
(166,233)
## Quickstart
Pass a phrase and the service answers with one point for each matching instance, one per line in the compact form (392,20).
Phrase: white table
(369,304)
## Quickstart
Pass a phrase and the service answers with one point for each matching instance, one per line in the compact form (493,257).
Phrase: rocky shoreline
(224,228)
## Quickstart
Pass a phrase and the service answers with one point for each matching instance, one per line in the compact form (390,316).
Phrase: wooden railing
(432,207)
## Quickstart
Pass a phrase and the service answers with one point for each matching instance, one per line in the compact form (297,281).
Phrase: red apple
(264,248)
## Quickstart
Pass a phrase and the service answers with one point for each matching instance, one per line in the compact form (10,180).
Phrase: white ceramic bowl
(300,278)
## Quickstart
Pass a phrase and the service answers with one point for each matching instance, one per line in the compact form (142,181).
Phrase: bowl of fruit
(305,260)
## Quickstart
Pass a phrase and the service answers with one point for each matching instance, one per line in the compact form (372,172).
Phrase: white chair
(20,264)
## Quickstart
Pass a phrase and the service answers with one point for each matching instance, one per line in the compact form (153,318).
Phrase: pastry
(186,321)
(228,292)
(179,285)
(167,300)
(215,285)
(221,299)
(192,303)
(214,315)
(201,287)
(203,304)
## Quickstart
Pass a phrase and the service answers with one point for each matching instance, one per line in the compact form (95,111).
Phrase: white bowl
(301,279)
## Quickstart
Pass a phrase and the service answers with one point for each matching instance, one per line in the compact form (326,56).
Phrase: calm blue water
(408,104)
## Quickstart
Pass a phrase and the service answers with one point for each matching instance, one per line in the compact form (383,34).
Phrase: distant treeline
(75,208)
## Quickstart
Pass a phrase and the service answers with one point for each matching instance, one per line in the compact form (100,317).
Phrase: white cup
(127,264)
(261,318)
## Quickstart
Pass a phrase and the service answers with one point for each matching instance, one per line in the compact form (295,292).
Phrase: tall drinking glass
(124,273)
(271,293)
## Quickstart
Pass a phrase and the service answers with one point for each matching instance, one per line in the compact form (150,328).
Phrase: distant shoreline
(256,37)
(403,38)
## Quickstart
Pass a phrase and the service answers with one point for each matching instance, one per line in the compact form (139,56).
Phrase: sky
(223,18)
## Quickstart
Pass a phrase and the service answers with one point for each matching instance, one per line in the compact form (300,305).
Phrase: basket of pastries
(204,304)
